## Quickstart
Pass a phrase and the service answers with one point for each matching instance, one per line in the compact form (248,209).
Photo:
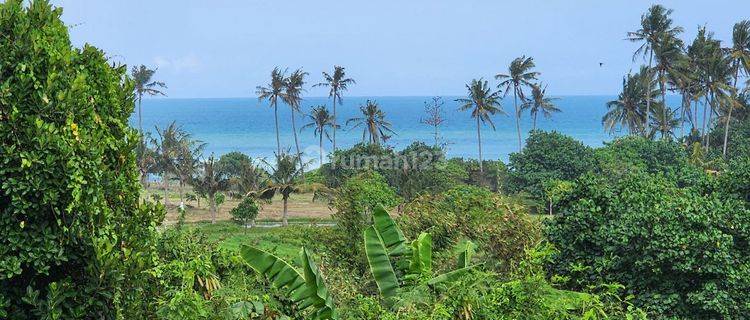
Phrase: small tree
(210,182)
(246,212)
(434,118)
(284,179)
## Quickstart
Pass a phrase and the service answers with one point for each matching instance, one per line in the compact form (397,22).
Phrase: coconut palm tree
(210,181)
(628,110)
(187,160)
(272,92)
(375,127)
(483,103)
(320,119)
(739,54)
(284,179)
(337,83)
(519,76)
(168,143)
(540,102)
(144,85)
(664,122)
(667,52)
(294,85)
(656,25)
(684,79)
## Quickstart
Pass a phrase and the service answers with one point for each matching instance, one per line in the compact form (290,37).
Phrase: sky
(216,49)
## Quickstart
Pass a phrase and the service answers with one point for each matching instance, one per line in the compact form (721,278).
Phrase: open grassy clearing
(302,208)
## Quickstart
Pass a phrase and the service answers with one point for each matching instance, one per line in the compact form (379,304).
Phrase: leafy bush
(245,212)
(635,153)
(683,253)
(495,172)
(347,163)
(357,198)
(502,228)
(422,169)
(76,239)
(547,156)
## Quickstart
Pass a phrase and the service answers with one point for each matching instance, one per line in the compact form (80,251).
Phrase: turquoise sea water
(246,125)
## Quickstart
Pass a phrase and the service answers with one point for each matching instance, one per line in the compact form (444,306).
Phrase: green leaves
(420,265)
(306,289)
(393,238)
(380,264)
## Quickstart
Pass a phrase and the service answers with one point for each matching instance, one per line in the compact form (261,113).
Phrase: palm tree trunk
(212,205)
(705,116)
(710,118)
(534,127)
(181,186)
(166,186)
(296,143)
(334,121)
(479,139)
(518,117)
(285,214)
(729,115)
(276,117)
(663,87)
(320,142)
(648,94)
(682,116)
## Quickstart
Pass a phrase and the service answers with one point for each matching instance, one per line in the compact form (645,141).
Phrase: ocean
(247,125)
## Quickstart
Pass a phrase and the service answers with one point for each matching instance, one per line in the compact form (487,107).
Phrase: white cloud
(185,64)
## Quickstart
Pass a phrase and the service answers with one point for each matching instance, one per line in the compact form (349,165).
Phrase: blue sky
(405,48)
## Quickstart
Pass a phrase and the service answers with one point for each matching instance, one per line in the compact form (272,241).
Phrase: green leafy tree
(337,83)
(77,239)
(547,156)
(483,103)
(245,175)
(682,250)
(245,212)
(373,123)
(519,75)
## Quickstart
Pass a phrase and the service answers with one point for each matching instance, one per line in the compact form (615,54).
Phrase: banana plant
(306,289)
(384,240)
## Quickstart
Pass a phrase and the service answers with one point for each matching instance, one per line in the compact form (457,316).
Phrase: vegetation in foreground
(638,228)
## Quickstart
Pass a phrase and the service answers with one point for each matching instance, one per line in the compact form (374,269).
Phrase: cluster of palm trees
(702,73)
(376,128)
(484,102)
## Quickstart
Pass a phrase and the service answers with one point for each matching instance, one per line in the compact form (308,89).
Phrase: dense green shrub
(735,180)
(347,163)
(503,229)
(682,253)
(422,169)
(637,153)
(245,212)
(354,203)
(76,241)
(495,174)
(547,156)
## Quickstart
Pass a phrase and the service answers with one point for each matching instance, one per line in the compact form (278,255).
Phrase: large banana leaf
(449,277)
(466,252)
(380,265)
(420,265)
(306,290)
(393,238)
